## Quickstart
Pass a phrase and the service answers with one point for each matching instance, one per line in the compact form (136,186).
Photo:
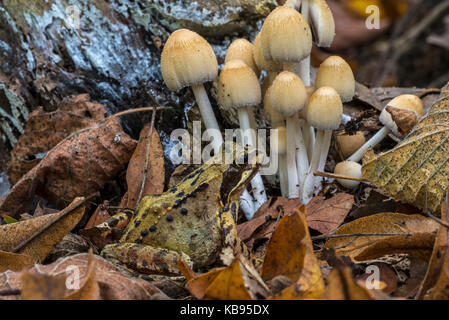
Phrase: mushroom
(238,87)
(411,108)
(318,14)
(185,45)
(278,122)
(335,72)
(188,60)
(324,112)
(271,67)
(307,130)
(286,37)
(347,144)
(349,169)
(242,49)
(288,97)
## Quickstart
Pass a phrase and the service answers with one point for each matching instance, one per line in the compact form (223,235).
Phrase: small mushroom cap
(286,36)
(324,109)
(238,86)
(288,95)
(262,64)
(242,49)
(282,140)
(322,22)
(348,144)
(276,119)
(303,113)
(350,169)
(335,72)
(187,60)
(413,109)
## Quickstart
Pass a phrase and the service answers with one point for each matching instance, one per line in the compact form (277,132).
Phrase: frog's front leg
(146,259)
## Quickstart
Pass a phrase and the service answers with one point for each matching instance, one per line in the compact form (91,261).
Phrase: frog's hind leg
(145,259)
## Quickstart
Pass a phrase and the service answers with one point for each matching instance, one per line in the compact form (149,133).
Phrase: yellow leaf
(416,171)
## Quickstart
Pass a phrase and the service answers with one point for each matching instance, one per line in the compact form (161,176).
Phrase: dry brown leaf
(326,216)
(239,281)
(90,290)
(342,286)
(112,283)
(36,237)
(404,119)
(435,285)
(146,173)
(37,286)
(420,242)
(416,171)
(15,261)
(290,253)
(99,216)
(44,130)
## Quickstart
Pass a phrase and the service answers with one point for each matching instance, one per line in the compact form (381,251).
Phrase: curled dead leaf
(404,119)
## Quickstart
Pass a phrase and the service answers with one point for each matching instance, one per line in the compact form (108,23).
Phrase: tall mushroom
(288,97)
(324,112)
(271,67)
(286,37)
(189,61)
(238,87)
(187,46)
(278,122)
(411,108)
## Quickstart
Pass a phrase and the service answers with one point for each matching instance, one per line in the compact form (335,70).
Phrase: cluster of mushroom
(305,113)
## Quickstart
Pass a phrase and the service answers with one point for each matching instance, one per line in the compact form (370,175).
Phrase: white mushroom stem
(283,178)
(323,157)
(259,193)
(304,65)
(302,161)
(309,183)
(292,171)
(308,133)
(371,143)
(208,116)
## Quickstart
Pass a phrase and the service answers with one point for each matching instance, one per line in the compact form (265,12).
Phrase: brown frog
(194,220)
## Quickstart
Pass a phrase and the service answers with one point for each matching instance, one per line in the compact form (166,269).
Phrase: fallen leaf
(435,285)
(112,283)
(416,171)
(239,281)
(388,280)
(44,130)
(326,216)
(36,237)
(342,286)
(38,286)
(420,241)
(290,254)
(99,216)
(15,261)
(146,173)
(90,289)
(79,165)
(404,119)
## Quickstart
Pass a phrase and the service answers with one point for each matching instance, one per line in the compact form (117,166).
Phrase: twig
(438,220)
(338,176)
(61,215)
(10,292)
(358,235)
(138,110)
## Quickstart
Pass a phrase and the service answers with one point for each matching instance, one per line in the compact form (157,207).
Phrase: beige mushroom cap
(274,117)
(350,169)
(262,64)
(324,109)
(407,102)
(286,36)
(238,86)
(348,144)
(242,49)
(187,60)
(288,94)
(335,72)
